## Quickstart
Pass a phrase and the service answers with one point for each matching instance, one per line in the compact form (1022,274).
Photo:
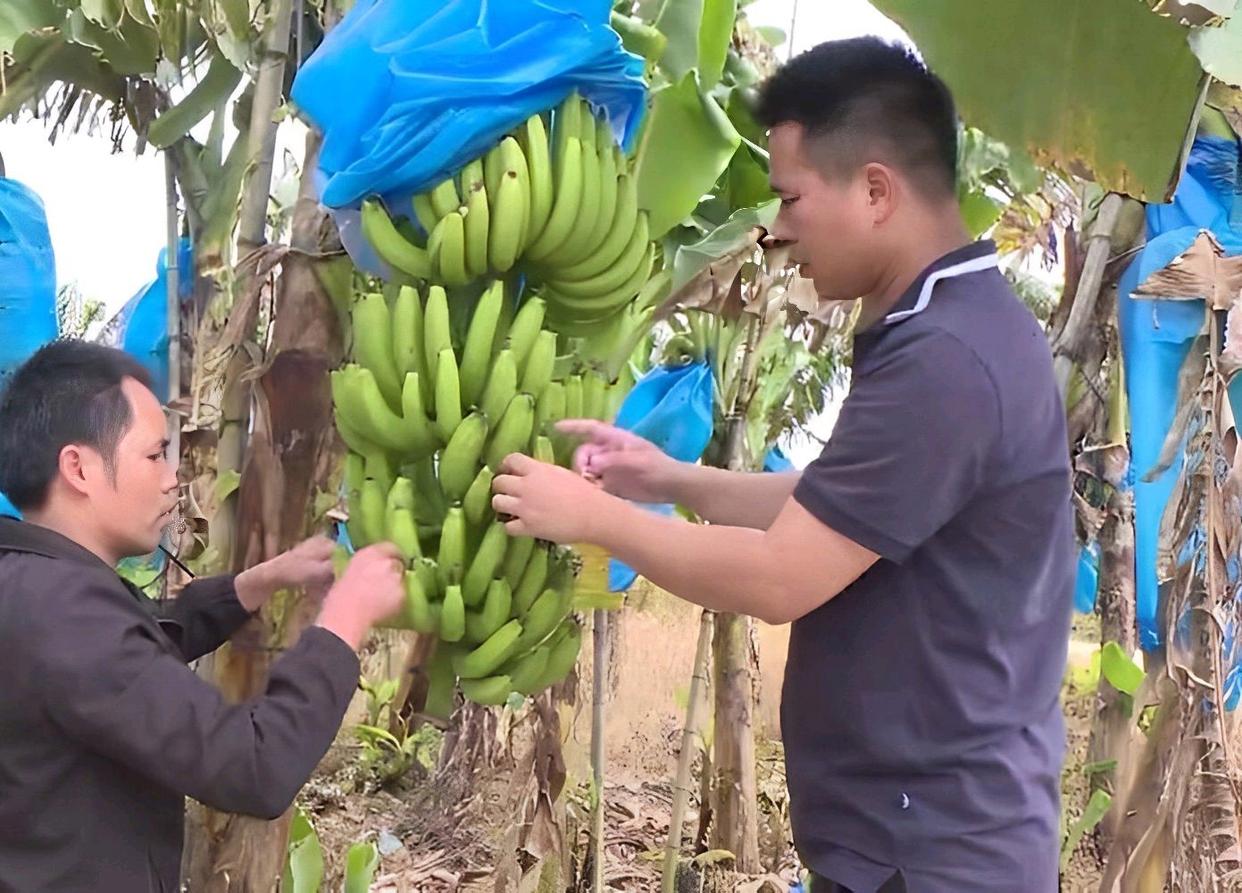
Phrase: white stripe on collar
(977,265)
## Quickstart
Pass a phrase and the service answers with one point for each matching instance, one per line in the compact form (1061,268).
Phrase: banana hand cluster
(428,418)
(562,207)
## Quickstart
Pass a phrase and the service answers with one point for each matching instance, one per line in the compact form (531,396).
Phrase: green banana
(452,552)
(494,613)
(486,562)
(353,524)
(624,221)
(403,533)
(609,195)
(541,620)
(448,396)
(562,656)
(539,365)
(452,615)
(534,577)
(425,214)
(526,671)
(472,177)
(359,403)
(437,331)
(573,397)
(372,330)
(524,332)
(539,162)
(490,692)
(573,247)
(477,503)
(517,556)
(510,212)
(512,434)
(501,386)
(444,199)
(371,511)
(431,502)
(550,408)
(542,450)
(418,612)
(441,685)
(477,232)
(566,124)
(416,431)
(425,570)
(621,270)
(355,471)
(476,356)
(603,303)
(407,333)
(569,196)
(593,403)
(449,254)
(352,437)
(378,467)
(487,657)
(459,462)
(393,248)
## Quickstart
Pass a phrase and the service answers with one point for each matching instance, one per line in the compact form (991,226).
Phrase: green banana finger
(486,658)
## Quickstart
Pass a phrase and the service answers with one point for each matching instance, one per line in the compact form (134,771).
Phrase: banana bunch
(429,407)
(563,208)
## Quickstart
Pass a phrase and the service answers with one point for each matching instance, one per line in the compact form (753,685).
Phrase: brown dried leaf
(1200,272)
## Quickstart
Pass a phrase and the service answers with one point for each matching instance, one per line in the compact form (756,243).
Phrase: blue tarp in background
(140,328)
(1156,336)
(27,282)
(407,92)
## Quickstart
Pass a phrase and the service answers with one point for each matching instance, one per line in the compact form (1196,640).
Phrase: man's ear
(75,467)
(883,191)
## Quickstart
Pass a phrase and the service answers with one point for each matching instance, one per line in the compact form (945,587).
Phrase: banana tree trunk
(290,457)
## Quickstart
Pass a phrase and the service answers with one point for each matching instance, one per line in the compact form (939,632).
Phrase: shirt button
(905,801)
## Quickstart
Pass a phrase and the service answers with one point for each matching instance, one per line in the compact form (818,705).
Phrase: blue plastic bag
(27,284)
(406,92)
(1087,581)
(140,328)
(27,276)
(671,406)
(1156,336)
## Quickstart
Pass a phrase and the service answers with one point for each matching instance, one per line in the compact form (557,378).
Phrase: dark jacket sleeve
(207,614)
(115,687)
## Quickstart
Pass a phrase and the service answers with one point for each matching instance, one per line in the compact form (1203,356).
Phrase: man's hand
(371,589)
(307,564)
(625,464)
(546,502)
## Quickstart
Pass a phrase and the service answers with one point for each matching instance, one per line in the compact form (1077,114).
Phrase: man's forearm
(732,498)
(721,568)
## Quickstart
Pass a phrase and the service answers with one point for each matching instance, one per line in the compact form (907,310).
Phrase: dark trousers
(895,884)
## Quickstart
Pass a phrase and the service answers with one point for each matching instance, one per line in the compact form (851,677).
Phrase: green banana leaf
(691,260)
(715,35)
(360,866)
(304,866)
(216,86)
(699,33)
(18,17)
(687,144)
(1220,50)
(1105,89)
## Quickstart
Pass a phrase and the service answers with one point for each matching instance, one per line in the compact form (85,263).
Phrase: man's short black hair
(67,392)
(867,100)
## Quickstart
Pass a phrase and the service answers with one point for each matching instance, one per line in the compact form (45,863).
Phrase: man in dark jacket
(104,729)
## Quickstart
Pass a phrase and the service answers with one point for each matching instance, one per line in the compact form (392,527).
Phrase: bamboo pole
(685,759)
(599,691)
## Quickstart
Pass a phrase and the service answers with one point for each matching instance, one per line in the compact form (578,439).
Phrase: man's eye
(786,202)
(156,457)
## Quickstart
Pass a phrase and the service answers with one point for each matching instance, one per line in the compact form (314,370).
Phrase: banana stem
(685,760)
(599,688)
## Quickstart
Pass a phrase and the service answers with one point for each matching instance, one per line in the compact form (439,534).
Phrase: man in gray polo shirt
(926,558)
